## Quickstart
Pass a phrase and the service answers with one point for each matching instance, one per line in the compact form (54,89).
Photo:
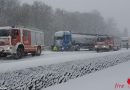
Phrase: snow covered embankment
(45,76)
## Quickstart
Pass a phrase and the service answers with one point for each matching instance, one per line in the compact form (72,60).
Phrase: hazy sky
(118,9)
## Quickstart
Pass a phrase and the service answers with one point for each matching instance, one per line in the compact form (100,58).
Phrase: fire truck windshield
(101,39)
(4,32)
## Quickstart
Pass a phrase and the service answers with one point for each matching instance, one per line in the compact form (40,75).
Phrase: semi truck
(66,40)
(18,41)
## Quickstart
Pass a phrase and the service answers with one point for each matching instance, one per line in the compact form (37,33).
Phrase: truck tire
(38,52)
(97,50)
(77,49)
(33,54)
(18,54)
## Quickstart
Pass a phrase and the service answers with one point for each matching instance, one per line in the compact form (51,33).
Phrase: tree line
(44,17)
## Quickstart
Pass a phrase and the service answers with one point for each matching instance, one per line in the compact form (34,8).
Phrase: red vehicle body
(20,41)
(107,43)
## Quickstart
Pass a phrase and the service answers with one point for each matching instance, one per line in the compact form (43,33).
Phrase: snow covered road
(34,73)
(49,57)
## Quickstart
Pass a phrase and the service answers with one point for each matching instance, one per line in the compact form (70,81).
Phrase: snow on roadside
(107,79)
(35,78)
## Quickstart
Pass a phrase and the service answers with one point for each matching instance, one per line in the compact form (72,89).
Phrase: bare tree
(42,16)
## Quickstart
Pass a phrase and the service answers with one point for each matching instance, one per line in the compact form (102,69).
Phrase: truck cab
(18,41)
(5,41)
(104,43)
(63,40)
(107,43)
(9,38)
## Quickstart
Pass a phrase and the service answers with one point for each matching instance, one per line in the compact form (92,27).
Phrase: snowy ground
(49,57)
(34,73)
(107,79)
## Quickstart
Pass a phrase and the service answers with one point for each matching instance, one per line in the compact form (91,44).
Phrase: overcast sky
(118,9)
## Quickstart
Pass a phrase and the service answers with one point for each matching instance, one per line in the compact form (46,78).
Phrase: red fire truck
(18,41)
(107,43)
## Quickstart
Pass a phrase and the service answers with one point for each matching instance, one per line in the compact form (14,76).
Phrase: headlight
(96,46)
(9,48)
(104,46)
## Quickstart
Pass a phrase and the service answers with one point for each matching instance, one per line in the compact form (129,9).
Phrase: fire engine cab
(107,43)
(17,41)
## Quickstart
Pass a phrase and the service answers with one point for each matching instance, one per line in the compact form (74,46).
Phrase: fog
(117,9)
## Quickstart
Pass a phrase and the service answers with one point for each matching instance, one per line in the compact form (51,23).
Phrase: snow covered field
(33,73)
(108,79)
